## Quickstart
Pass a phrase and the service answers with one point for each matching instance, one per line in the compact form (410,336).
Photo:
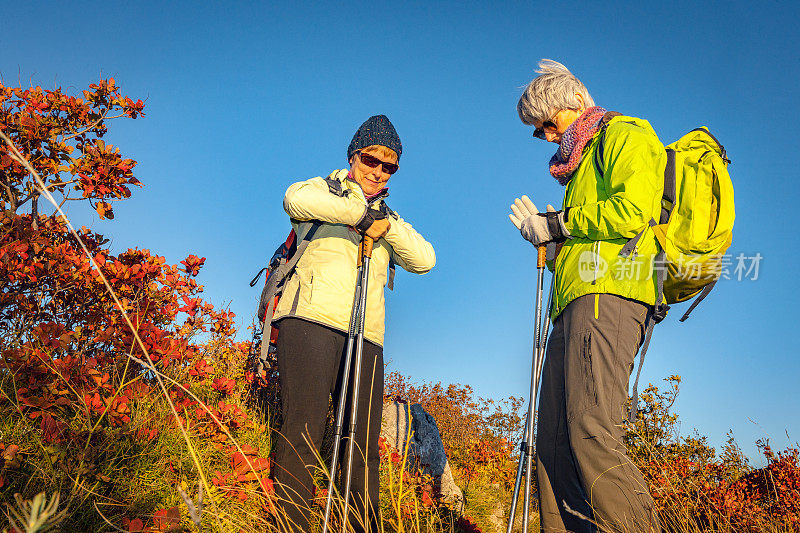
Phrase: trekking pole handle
(541,255)
(365,249)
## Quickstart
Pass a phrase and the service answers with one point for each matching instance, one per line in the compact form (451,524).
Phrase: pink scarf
(573,141)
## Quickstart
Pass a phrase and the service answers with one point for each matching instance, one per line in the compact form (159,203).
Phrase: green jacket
(322,286)
(604,211)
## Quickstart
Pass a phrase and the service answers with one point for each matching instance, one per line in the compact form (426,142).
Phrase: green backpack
(695,226)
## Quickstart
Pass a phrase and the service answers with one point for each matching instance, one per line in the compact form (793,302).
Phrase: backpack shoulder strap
(276,279)
(598,154)
(335,187)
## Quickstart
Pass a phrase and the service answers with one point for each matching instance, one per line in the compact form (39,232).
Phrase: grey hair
(550,92)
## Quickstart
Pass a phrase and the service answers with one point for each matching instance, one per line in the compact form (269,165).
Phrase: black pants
(310,362)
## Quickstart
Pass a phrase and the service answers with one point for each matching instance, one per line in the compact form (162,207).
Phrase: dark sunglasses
(546,125)
(372,162)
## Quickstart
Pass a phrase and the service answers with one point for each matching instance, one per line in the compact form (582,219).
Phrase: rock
(405,426)
(426,442)
(451,493)
(394,425)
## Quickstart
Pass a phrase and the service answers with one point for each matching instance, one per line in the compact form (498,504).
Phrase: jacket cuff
(562,223)
(364,222)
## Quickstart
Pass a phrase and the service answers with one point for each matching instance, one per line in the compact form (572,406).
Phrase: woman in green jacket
(314,311)
(600,304)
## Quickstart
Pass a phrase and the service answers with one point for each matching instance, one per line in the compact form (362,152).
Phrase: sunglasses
(372,162)
(538,133)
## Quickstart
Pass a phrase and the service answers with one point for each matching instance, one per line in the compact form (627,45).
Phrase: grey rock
(410,427)
(426,442)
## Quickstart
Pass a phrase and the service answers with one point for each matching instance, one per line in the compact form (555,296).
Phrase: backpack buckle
(660,312)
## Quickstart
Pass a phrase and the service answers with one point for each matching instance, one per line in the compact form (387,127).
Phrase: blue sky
(243,98)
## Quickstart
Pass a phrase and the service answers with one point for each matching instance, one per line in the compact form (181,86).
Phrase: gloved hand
(374,224)
(538,227)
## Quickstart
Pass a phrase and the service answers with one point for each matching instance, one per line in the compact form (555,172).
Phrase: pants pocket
(581,386)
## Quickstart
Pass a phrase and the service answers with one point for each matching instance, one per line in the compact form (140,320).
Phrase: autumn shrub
(694,489)
(464,421)
(115,384)
(409,501)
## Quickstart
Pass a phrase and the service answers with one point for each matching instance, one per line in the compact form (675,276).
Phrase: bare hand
(379,228)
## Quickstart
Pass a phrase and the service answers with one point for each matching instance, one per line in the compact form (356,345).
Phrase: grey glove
(538,227)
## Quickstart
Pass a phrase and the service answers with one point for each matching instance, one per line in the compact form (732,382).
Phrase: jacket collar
(375,198)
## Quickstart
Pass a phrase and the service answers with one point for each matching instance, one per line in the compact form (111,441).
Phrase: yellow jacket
(322,286)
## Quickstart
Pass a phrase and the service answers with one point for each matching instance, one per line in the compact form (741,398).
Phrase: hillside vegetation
(126,403)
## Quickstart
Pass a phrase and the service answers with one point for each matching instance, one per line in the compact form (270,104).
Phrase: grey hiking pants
(581,458)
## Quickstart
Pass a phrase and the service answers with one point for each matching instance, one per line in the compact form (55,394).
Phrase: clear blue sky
(243,98)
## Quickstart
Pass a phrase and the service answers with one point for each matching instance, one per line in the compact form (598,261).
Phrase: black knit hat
(375,130)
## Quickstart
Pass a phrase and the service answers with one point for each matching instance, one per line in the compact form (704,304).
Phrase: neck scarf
(574,139)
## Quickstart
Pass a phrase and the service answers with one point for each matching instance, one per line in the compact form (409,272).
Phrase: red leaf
(167,519)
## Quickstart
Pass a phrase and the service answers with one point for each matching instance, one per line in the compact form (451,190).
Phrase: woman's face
(372,178)
(558,124)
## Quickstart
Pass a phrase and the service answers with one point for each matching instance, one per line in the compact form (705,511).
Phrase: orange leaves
(167,520)
(146,434)
(135,526)
(62,136)
(223,385)
(192,264)
(10,456)
(162,521)
(201,369)
(104,210)
(249,467)
(230,414)
(249,475)
(131,108)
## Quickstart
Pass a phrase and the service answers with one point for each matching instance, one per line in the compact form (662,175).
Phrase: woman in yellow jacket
(314,312)
(600,306)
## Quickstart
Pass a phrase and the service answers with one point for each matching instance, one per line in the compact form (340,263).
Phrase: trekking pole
(526,447)
(365,254)
(351,337)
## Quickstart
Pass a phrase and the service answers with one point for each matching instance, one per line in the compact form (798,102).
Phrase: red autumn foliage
(691,485)
(61,136)
(224,385)
(72,368)
(167,520)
